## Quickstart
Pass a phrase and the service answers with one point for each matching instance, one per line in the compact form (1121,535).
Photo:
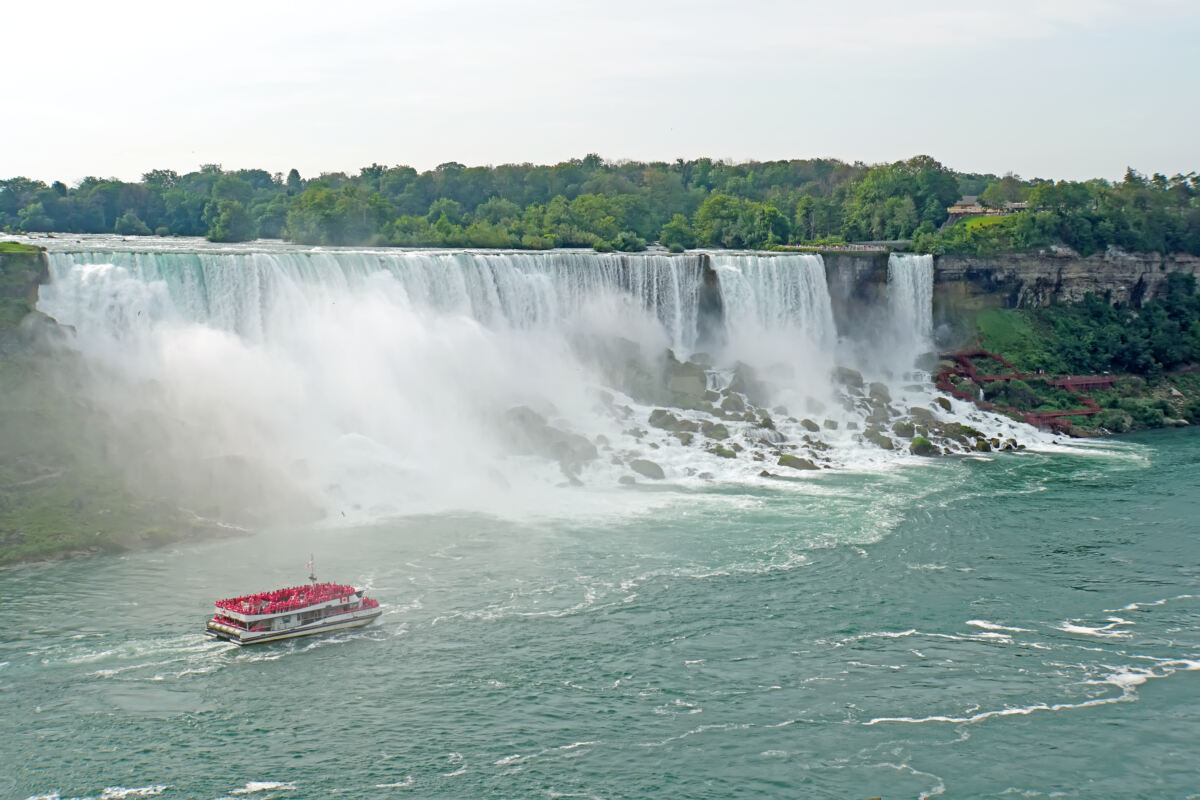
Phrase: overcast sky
(1049,88)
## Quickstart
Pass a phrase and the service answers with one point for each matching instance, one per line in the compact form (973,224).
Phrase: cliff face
(1028,280)
(22,271)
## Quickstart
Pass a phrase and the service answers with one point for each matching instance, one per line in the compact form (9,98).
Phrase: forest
(607,205)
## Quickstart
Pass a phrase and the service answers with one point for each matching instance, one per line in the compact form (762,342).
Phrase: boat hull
(354,619)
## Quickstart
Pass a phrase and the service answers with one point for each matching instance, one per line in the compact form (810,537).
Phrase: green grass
(17,247)
(1010,333)
(971,223)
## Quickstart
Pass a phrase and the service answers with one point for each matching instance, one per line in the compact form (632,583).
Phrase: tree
(129,224)
(228,222)
(33,217)
(677,235)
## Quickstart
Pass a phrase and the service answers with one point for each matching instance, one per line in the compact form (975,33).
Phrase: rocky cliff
(1026,280)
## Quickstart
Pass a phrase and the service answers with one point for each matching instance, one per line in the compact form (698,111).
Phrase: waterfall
(911,305)
(242,292)
(910,296)
(359,384)
(777,294)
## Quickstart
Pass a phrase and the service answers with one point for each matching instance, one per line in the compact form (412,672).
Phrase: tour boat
(295,611)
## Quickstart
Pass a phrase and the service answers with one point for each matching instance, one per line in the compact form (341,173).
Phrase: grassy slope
(1132,404)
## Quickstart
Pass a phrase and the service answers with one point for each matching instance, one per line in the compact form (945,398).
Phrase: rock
(687,385)
(850,378)
(746,382)
(684,437)
(636,433)
(733,403)
(530,433)
(927,361)
(923,416)
(878,391)
(711,396)
(983,446)
(944,402)
(796,462)
(765,474)
(661,418)
(737,447)
(960,432)
(851,425)
(875,436)
(714,430)
(904,429)
(626,480)
(601,440)
(647,469)
(723,452)
(880,413)
(703,359)
(766,422)
(922,447)
(809,425)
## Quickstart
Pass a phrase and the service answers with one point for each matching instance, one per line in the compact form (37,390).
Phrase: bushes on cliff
(1139,214)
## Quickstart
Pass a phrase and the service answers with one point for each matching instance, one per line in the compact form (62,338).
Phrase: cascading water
(910,297)
(362,384)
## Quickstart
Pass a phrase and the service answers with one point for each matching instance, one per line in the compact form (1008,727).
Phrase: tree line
(590,202)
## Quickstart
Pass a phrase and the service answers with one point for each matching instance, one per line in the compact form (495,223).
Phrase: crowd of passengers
(289,599)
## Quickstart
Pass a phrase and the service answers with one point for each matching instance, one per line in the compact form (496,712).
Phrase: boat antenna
(312,573)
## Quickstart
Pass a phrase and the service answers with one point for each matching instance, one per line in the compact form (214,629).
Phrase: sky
(1065,89)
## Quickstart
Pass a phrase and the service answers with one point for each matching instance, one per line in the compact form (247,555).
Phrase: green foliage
(1159,214)
(581,201)
(228,222)
(1095,336)
(128,224)
(629,242)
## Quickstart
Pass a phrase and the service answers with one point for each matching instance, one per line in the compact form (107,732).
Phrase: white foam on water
(113,792)
(404,784)
(252,787)
(992,626)
(1109,631)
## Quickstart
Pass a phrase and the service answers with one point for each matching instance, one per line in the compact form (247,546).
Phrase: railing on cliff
(965,367)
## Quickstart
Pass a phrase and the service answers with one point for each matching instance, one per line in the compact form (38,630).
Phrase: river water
(1026,625)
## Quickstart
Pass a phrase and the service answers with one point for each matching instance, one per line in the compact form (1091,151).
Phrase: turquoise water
(1027,626)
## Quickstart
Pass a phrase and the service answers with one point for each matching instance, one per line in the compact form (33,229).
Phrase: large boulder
(878,391)
(876,437)
(746,382)
(922,416)
(647,469)
(809,425)
(661,418)
(850,378)
(796,462)
(922,447)
(734,404)
(530,433)
(714,430)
